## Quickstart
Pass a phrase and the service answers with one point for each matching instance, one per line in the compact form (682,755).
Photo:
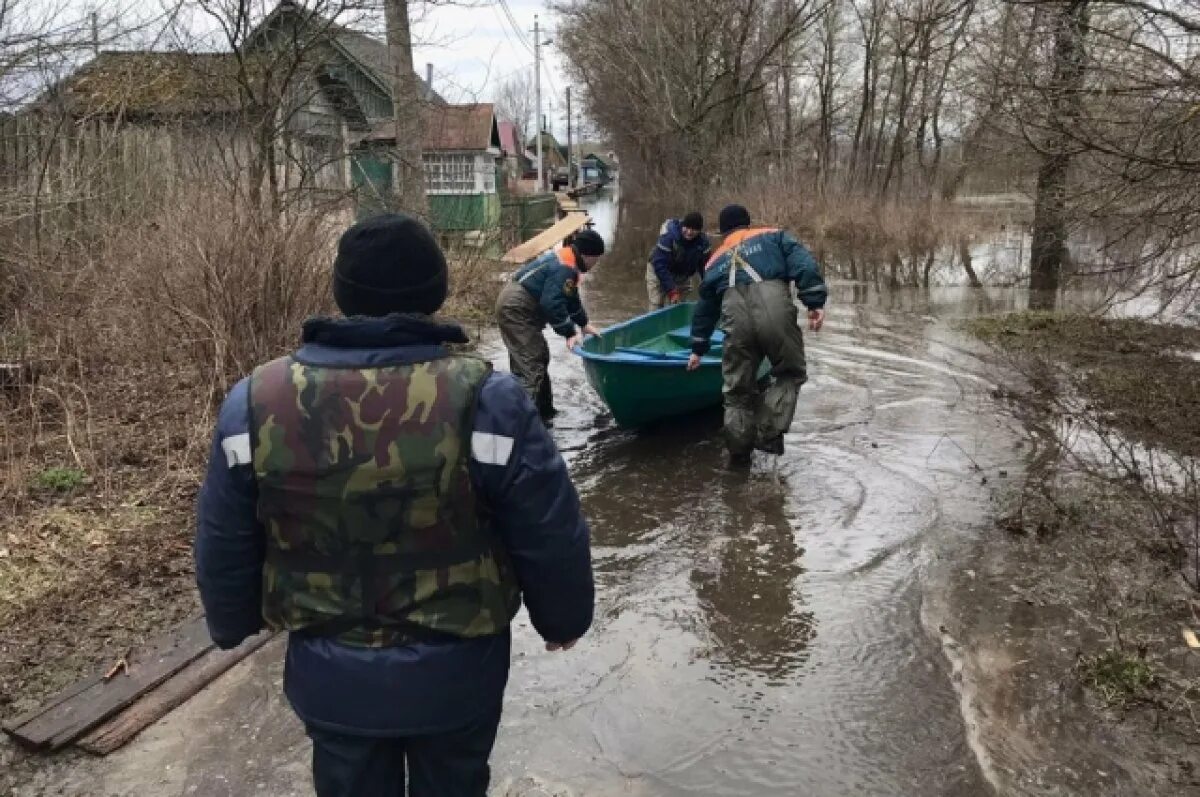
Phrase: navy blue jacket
(675,258)
(774,255)
(555,285)
(423,687)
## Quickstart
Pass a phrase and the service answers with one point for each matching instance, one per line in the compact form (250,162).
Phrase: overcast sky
(474,49)
(472,44)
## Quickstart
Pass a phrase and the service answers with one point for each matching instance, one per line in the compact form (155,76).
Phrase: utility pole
(579,138)
(570,175)
(537,92)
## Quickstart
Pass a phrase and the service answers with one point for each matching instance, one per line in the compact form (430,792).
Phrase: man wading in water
(747,285)
(546,291)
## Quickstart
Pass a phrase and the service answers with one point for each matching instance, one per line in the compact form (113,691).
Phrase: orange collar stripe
(566,256)
(736,237)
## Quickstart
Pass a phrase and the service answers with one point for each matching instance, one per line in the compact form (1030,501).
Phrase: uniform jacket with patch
(675,258)
(553,279)
(773,255)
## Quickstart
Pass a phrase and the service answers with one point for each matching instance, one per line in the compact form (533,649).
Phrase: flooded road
(787,631)
(768,633)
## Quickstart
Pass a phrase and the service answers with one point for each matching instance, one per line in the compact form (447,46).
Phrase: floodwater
(768,633)
(779,632)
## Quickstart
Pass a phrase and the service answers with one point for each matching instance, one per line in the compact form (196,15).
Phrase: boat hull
(639,368)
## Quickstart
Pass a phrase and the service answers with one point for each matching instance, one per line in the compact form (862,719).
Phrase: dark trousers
(760,323)
(521,322)
(451,764)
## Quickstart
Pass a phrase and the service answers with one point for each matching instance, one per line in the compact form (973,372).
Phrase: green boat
(639,367)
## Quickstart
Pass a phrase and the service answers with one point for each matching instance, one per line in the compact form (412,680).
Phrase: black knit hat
(732,217)
(693,221)
(389,264)
(588,242)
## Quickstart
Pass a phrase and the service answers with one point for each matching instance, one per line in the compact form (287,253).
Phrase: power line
(512,22)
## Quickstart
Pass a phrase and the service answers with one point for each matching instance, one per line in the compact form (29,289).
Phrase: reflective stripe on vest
(374,533)
(565,256)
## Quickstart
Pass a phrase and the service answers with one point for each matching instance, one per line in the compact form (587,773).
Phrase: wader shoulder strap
(736,261)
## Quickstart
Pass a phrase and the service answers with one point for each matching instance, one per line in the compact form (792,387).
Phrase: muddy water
(768,633)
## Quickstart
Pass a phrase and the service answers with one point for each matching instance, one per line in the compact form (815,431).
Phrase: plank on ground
(81,707)
(172,693)
(546,239)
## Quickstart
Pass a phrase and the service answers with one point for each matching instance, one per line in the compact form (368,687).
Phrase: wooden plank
(171,694)
(66,694)
(76,711)
(547,239)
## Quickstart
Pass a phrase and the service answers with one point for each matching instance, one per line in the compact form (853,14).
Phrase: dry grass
(1112,495)
(857,236)
(132,331)
(870,235)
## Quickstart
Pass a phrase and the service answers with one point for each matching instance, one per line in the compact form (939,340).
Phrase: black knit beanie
(732,217)
(693,221)
(588,242)
(389,263)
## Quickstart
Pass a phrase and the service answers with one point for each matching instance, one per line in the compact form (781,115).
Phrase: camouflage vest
(374,533)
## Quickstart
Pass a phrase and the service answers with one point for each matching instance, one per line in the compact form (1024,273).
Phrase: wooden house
(462,154)
(595,169)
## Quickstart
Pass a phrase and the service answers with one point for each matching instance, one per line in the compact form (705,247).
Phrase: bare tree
(406,97)
(682,100)
(1063,106)
(515,101)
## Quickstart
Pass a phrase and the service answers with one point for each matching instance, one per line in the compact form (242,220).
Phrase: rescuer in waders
(546,291)
(747,285)
(677,260)
(390,504)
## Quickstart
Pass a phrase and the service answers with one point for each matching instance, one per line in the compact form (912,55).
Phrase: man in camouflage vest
(390,503)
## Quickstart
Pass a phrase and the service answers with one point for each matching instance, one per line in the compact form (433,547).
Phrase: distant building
(595,169)
(517,162)
(462,152)
(555,154)
(336,130)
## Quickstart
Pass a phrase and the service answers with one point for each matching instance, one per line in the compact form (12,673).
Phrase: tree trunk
(1047,249)
(964,254)
(930,259)
(408,111)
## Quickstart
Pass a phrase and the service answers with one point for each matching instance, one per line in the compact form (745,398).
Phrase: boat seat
(683,337)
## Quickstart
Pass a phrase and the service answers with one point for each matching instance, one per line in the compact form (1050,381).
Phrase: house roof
(548,140)
(181,83)
(367,51)
(450,128)
(510,139)
(372,54)
(156,83)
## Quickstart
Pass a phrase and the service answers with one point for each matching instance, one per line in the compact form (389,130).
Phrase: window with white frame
(450,174)
(460,173)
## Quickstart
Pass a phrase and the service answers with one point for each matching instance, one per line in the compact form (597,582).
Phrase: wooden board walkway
(82,707)
(171,694)
(566,204)
(547,239)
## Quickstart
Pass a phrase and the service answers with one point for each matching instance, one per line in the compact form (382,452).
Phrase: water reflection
(753,636)
(748,588)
